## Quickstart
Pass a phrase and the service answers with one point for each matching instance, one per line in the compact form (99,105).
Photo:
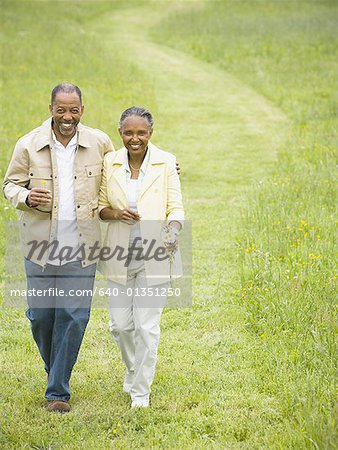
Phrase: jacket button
(90,173)
(31,174)
(74,177)
(78,206)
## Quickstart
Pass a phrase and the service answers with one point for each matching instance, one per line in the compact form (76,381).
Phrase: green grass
(287,50)
(287,242)
(246,99)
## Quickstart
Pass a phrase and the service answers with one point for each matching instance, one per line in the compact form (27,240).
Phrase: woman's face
(135,133)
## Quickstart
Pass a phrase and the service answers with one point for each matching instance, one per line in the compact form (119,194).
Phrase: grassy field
(244,94)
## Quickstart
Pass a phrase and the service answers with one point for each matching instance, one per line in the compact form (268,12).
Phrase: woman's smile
(135,133)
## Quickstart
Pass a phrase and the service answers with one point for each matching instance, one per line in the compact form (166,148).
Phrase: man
(53,179)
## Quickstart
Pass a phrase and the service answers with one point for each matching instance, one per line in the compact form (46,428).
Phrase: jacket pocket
(40,176)
(94,170)
(93,176)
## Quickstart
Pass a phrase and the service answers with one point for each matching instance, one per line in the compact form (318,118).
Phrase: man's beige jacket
(33,164)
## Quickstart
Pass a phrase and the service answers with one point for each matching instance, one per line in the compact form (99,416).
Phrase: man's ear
(120,131)
(51,109)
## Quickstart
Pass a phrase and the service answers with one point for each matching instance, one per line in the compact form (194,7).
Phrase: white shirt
(67,231)
(143,167)
(133,188)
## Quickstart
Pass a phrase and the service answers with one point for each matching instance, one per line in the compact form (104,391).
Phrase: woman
(140,191)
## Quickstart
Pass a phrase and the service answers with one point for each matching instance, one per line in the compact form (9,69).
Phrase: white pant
(135,326)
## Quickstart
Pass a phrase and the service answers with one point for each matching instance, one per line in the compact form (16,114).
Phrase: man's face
(66,111)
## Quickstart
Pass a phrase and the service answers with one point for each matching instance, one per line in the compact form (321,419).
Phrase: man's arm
(16,179)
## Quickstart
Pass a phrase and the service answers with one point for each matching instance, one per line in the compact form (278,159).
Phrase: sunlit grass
(253,363)
(287,242)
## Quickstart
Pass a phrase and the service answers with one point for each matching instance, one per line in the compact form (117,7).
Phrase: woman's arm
(103,195)
(175,211)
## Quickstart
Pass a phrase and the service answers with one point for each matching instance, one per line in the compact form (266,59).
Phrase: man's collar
(82,136)
(45,136)
(73,140)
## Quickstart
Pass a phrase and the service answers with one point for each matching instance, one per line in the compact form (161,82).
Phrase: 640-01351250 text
(162,291)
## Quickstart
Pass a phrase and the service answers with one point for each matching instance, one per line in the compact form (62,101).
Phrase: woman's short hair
(138,111)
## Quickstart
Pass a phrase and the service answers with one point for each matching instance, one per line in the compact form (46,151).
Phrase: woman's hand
(126,215)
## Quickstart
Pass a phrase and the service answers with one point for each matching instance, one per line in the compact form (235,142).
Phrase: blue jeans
(59,300)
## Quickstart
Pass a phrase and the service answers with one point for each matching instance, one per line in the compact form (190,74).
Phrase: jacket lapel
(151,175)
(154,169)
(82,137)
(44,138)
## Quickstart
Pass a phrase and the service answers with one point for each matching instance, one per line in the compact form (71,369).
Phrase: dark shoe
(61,406)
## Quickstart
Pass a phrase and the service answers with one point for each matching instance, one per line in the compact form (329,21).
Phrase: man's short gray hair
(138,111)
(67,88)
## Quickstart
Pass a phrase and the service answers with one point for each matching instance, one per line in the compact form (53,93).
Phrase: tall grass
(287,50)
(287,241)
(252,364)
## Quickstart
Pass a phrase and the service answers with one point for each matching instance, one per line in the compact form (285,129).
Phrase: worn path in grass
(207,386)
(225,135)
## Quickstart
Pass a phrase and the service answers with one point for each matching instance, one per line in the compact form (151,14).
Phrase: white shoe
(128,381)
(140,403)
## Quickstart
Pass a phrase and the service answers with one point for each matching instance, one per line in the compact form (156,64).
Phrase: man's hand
(38,196)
